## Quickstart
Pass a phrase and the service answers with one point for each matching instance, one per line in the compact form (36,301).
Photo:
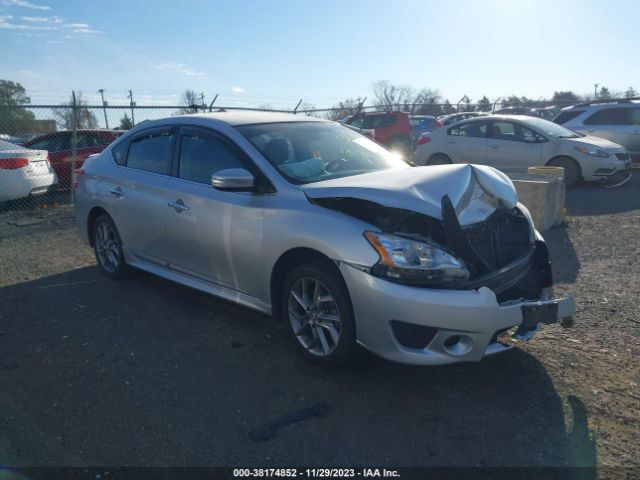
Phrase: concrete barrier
(544,197)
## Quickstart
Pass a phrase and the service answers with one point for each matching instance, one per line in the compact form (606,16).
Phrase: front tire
(572,172)
(107,246)
(317,310)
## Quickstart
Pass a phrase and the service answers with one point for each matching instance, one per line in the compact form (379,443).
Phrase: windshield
(305,152)
(552,129)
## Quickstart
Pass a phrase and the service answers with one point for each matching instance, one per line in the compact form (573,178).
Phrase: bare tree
(344,108)
(84,118)
(484,104)
(189,102)
(565,97)
(630,93)
(403,96)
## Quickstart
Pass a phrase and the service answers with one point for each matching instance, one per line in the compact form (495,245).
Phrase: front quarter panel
(297,223)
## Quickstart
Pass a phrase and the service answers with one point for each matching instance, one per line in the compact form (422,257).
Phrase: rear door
(466,142)
(611,123)
(633,144)
(136,196)
(512,147)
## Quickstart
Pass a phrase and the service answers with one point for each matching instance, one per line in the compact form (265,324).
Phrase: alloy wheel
(314,316)
(107,247)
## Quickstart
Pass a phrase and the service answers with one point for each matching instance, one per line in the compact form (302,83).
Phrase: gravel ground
(146,372)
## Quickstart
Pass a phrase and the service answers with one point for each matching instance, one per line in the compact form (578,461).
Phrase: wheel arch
(287,262)
(436,154)
(568,157)
(94,213)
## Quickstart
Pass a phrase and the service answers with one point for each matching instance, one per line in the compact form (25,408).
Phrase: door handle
(494,146)
(451,141)
(117,191)
(178,205)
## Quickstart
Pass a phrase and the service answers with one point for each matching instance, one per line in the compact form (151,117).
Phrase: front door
(512,147)
(213,235)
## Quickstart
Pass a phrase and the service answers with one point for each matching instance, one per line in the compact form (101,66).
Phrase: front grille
(622,156)
(502,238)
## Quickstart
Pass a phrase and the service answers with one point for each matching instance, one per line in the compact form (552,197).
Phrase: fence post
(74,144)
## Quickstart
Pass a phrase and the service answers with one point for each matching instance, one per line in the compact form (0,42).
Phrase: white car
(24,172)
(511,143)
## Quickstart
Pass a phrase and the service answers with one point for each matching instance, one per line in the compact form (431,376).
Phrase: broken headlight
(414,262)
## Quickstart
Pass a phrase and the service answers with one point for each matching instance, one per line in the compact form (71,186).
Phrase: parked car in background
(392,129)
(24,172)
(422,124)
(458,117)
(364,131)
(513,143)
(516,111)
(326,229)
(615,120)
(59,146)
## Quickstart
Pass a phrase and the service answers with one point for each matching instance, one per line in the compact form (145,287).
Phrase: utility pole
(132,103)
(202,100)
(595,91)
(74,144)
(104,107)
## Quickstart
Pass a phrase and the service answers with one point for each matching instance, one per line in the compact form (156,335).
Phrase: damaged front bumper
(431,327)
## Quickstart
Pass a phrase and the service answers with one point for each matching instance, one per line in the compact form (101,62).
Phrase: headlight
(410,261)
(594,152)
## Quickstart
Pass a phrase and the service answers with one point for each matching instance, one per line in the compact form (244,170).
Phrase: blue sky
(254,52)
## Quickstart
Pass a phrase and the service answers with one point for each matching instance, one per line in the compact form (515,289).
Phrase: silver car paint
(626,135)
(227,243)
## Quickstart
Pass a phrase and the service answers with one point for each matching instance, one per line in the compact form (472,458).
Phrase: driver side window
(203,155)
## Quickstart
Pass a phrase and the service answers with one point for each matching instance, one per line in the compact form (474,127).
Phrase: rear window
(564,117)
(610,116)
(151,152)
(471,129)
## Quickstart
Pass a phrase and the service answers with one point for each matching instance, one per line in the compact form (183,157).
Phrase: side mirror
(531,140)
(232,179)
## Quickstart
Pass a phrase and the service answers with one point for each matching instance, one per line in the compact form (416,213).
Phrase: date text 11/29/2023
(314,473)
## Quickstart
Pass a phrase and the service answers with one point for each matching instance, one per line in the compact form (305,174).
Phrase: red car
(392,129)
(58,144)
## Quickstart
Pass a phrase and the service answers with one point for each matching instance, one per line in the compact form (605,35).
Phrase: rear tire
(438,159)
(572,172)
(317,311)
(107,246)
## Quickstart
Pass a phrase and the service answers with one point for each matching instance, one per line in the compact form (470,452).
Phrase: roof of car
(247,117)
(484,118)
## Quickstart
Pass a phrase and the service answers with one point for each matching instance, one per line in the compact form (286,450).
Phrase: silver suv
(326,229)
(615,120)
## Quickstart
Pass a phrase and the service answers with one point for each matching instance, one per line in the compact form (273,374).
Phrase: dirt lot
(146,372)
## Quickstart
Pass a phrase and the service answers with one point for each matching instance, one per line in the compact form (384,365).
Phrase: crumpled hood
(474,190)
(591,141)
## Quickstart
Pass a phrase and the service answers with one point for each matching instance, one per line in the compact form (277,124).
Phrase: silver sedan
(322,227)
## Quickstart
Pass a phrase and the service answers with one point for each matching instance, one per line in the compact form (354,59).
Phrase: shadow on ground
(564,259)
(146,372)
(593,199)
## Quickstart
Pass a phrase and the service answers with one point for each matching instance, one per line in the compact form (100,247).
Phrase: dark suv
(59,146)
(392,129)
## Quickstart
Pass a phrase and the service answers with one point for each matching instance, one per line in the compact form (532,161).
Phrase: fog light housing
(458,345)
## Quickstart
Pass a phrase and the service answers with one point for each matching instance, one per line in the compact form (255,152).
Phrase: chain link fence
(42,145)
